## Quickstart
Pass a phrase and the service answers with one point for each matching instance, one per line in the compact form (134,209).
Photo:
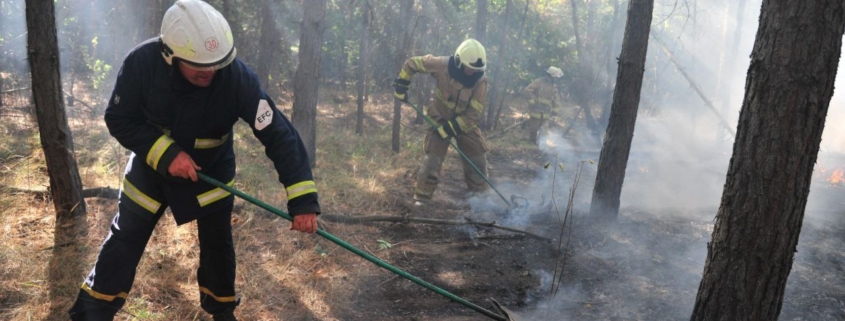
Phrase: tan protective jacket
(452,99)
(542,97)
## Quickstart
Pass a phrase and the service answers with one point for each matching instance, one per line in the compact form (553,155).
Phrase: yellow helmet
(471,54)
(555,72)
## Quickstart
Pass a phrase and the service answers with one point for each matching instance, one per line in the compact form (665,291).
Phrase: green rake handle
(355,250)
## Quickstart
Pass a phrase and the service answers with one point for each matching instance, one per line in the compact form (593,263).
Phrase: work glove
(449,129)
(400,89)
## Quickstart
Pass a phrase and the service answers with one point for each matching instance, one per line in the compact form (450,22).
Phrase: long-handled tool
(360,253)
(455,146)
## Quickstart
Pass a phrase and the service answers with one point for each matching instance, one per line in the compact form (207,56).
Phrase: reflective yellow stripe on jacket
(158,149)
(206,143)
(213,195)
(301,188)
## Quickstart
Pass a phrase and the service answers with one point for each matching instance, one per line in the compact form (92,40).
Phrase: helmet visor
(220,64)
(477,65)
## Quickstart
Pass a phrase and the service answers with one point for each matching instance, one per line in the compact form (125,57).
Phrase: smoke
(13,38)
(651,261)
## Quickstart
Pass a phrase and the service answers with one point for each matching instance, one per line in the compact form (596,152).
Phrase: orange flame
(837,177)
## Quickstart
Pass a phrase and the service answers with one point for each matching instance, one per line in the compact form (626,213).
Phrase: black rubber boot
(228,315)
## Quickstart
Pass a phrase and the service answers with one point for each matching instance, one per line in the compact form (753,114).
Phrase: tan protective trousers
(533,126)
(471,144)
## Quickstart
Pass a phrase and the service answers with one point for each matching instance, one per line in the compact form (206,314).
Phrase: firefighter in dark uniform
(460,96)
(174,105)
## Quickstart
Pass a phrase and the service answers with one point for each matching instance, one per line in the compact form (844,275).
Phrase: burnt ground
(646,266)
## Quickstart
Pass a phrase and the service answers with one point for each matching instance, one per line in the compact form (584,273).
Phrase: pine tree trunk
(623,113)
(56,138)
(307,74)
(407,10)
(269,49)
(788,90)
(364,49)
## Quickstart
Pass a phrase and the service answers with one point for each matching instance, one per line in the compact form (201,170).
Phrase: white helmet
(555,72)
(471,54)
(194,32)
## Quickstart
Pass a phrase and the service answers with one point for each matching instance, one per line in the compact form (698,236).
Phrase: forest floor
(561,266)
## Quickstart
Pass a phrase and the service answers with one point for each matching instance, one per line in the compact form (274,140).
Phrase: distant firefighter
(460,95)
(542,95)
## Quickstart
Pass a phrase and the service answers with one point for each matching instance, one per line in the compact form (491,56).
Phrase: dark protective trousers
(105,289)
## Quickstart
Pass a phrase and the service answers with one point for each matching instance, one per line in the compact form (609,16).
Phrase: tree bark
(623,113)
(364,48)
(788,89)
(307,74)
(56,138)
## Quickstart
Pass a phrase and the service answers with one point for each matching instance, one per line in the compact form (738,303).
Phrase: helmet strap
(165,49)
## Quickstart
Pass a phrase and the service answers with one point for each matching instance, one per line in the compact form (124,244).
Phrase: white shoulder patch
(264,116)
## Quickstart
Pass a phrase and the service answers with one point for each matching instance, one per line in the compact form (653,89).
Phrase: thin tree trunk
(579,46)
(268,51)
(623,115)
(610,46)
(788,89)
(231,13)
(57,143)
(583,90)
(364,48)
(407,11)
(56,138)
(495,84)
(481,20)
(507,77)
(307,74)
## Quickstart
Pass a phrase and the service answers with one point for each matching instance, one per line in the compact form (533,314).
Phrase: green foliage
(320,250)
(383,244)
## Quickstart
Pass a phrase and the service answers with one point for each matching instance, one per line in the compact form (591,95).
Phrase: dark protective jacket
(156,113)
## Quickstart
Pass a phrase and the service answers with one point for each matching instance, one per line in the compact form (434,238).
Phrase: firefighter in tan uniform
(542,95)
(460,96)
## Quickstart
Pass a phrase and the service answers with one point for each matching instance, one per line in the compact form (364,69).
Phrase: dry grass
(281,274)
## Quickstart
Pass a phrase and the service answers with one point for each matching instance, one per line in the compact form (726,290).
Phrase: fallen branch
(694,85)
(102,192)
(401,219)
(503,131)
(13,90)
